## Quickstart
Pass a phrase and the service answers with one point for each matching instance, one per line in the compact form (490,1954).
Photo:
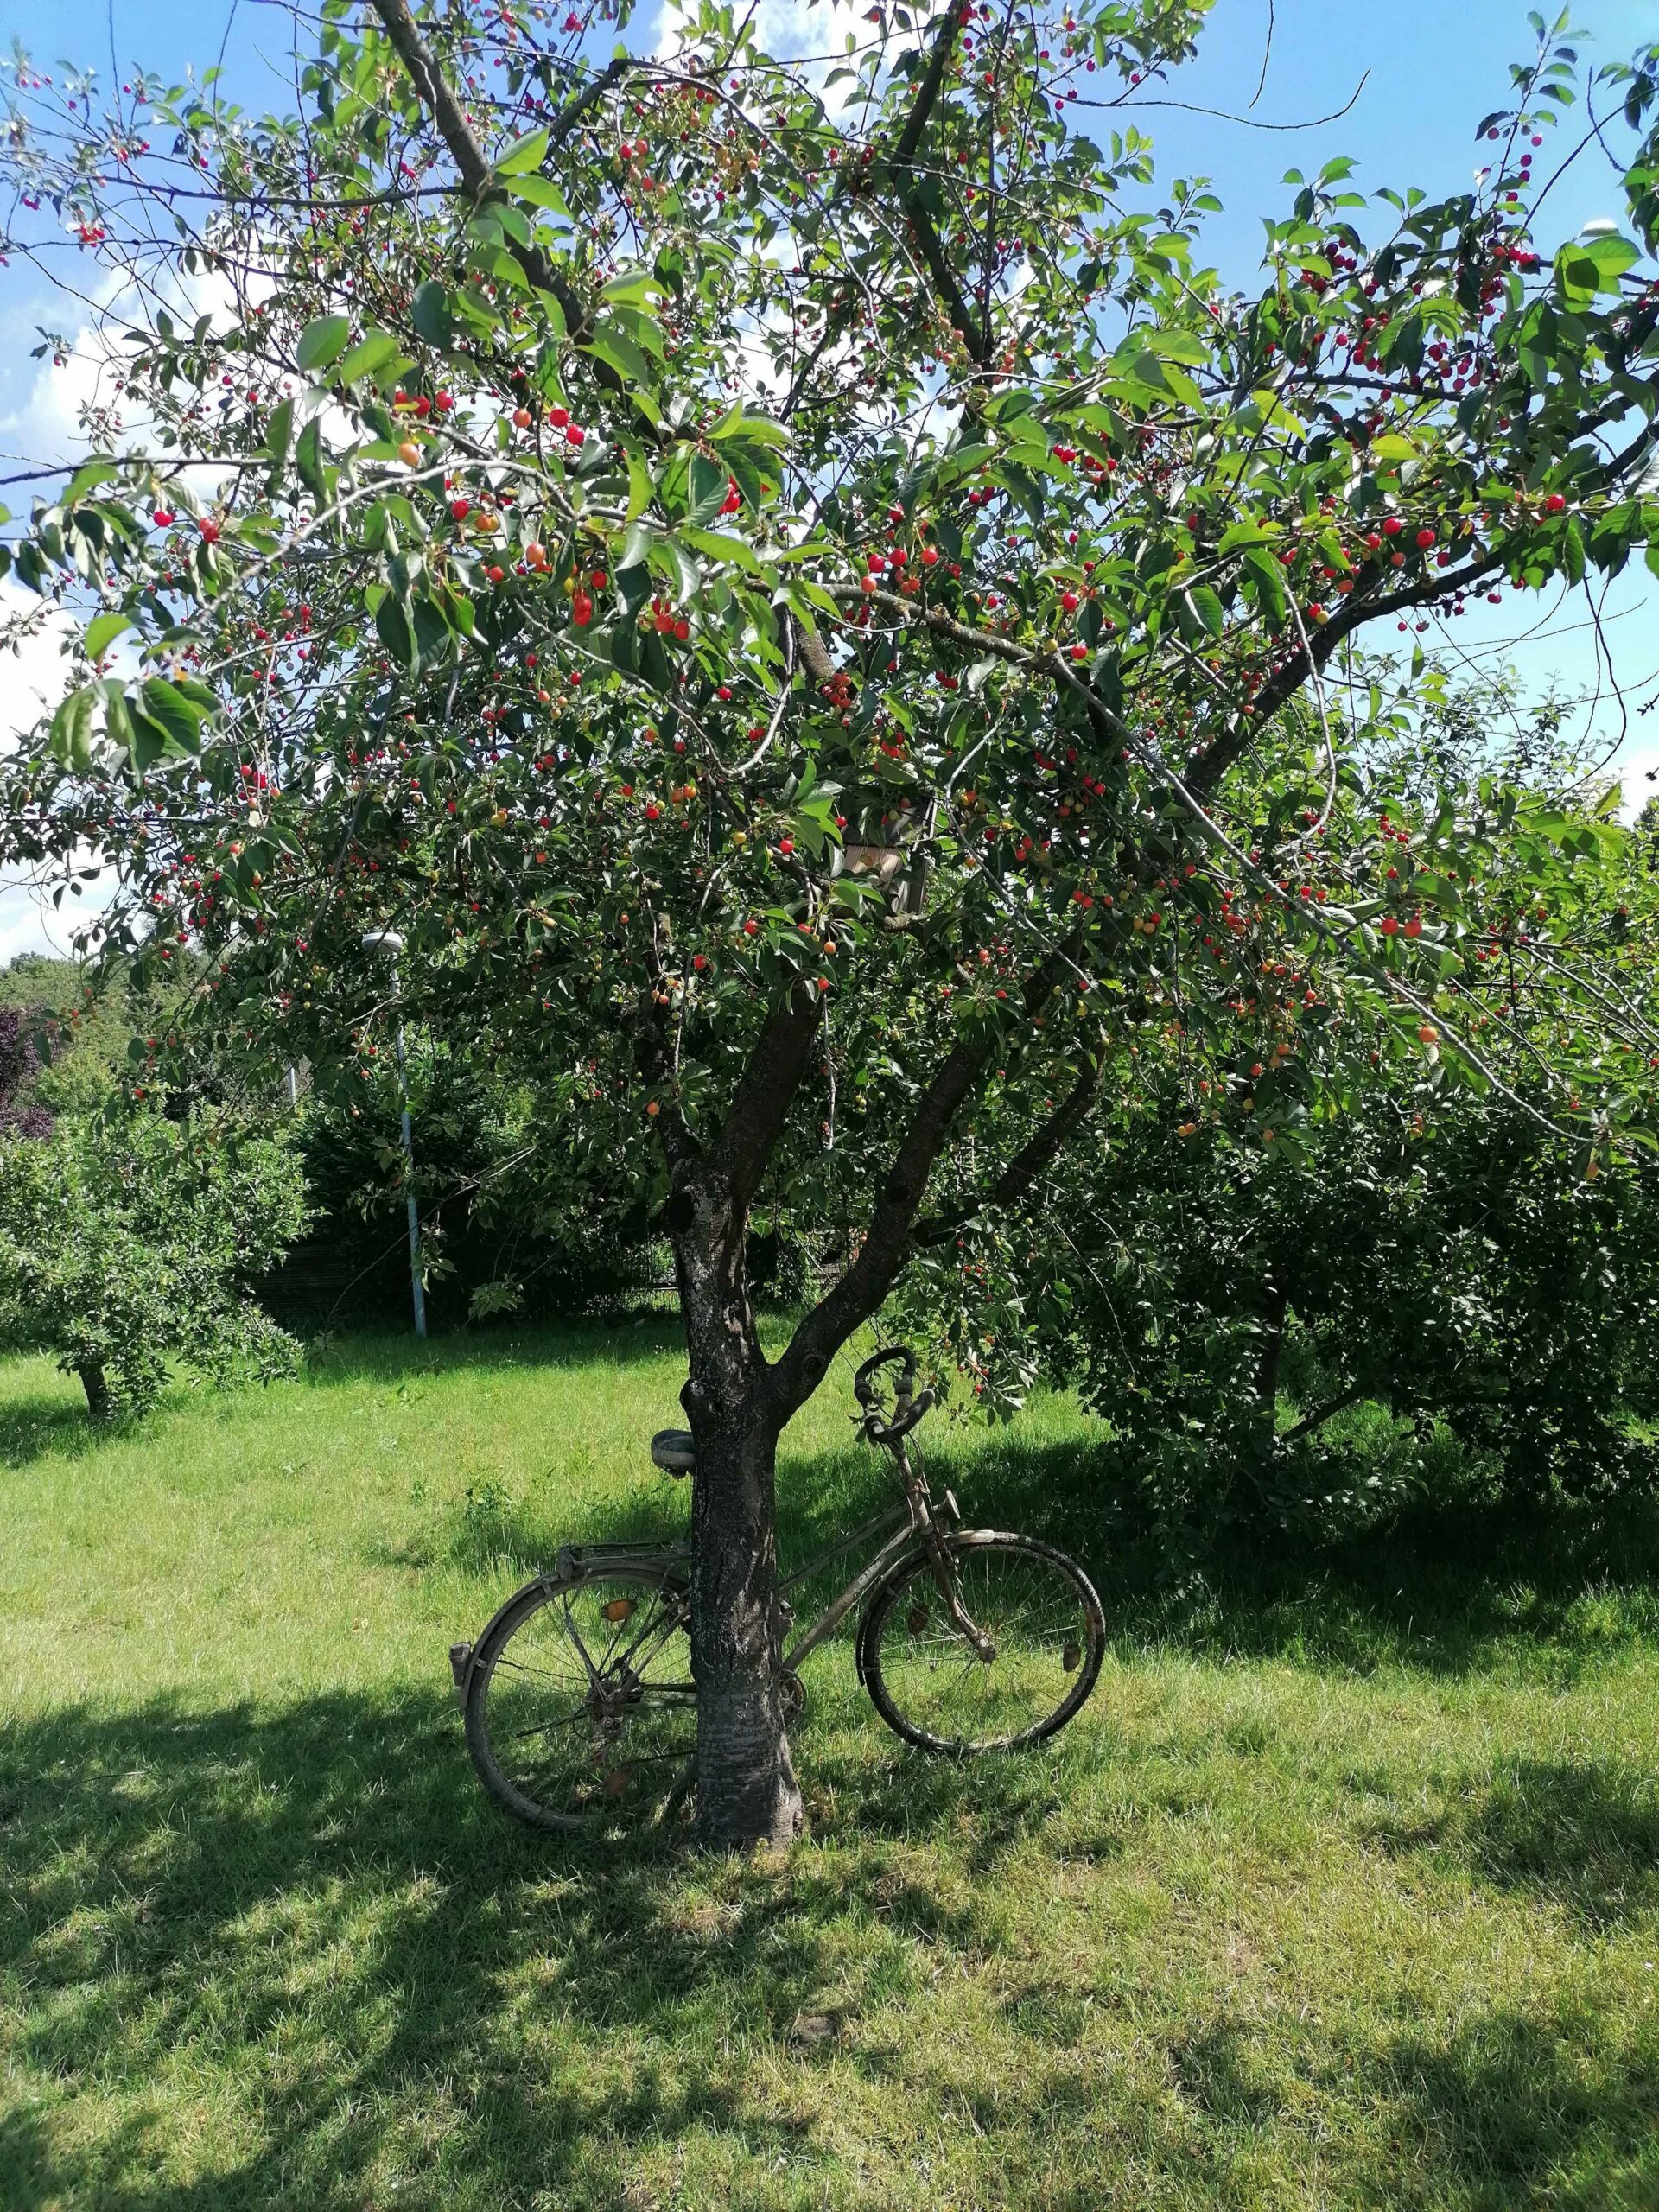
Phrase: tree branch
(476,174)
(901,167)
(764,1092)
(859,1290)
(1040,1151)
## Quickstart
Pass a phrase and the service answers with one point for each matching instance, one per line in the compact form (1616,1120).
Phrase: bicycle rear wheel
(930,1684)
(581,1711)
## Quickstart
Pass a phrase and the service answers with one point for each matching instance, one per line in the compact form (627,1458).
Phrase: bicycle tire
(930,1641)
(617,1723)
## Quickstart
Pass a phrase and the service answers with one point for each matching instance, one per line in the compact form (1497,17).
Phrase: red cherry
(461,509)
(1069,601)
(785,845)
(1425,539)
(1393,526)
(1554,502)
(209,529)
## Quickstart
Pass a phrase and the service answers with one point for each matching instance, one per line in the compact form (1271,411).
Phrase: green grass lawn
(1342,1892)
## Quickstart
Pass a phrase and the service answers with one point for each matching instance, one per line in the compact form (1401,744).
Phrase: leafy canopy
(697,538)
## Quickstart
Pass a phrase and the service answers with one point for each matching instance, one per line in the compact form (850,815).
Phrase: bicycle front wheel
(581,1711)
(938,1687)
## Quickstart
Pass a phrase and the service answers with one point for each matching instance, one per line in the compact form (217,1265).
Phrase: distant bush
(131,1242)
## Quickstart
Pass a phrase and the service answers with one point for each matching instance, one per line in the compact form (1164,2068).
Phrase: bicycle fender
(569,1560)
(902,1565)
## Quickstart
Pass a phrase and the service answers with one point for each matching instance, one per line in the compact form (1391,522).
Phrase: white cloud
(33,675)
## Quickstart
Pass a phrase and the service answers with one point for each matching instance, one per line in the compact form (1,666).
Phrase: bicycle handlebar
(908,1405)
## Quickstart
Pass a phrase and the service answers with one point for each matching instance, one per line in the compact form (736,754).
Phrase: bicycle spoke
(586,1709)
(932,1681)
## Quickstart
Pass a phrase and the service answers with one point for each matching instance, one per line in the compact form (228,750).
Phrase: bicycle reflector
(618,1609)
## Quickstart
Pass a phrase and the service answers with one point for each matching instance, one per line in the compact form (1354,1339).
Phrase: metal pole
(417,1286)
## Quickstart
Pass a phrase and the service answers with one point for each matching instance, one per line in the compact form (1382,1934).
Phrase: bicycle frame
(907,1521)
(903,1522)
(912,1519)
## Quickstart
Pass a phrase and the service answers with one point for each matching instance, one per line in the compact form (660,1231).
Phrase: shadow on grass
(391,1357)
(295,1958)
(1584,1838)
(1458,1587)
(1552,1590)
(1518,2110)
(32,1427)
(312,1925)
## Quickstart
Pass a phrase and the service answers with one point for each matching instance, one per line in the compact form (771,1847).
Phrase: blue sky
(1419,73)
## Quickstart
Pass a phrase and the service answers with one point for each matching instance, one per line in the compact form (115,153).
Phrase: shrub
(129,1243)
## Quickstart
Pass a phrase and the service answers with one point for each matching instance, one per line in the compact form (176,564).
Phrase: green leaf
(1266,579)
(276,445)
(323,341)
(1208,608)
(167,707)
(720,547)
(708,487)
(103,630)
(430,313)
(1573,551)
(307,459)
(1249,533)
(72,727)
(541,191)
(528,153)
(88,478)
(392,624)
(608,345)
(368,357)
(641,490)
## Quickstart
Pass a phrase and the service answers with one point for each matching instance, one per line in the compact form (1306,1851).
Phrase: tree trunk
(1267,1372)
(747,1791)
(96,1385)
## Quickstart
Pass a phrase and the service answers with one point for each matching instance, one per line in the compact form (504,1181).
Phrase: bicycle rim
(581,1713)
(930,1684)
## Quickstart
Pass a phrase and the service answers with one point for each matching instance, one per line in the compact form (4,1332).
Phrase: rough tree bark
(95,1383)
(746,1790)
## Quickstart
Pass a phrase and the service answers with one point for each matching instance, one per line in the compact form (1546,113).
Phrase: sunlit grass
(1342,1892)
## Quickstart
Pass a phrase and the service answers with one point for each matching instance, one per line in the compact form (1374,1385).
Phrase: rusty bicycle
(578,1697)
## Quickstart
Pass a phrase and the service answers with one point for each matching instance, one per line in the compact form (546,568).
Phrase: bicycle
(578,1699)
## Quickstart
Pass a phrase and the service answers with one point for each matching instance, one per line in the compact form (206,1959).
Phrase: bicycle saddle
(673,1449)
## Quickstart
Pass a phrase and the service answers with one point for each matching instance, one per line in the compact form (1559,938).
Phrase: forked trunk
(747,1791)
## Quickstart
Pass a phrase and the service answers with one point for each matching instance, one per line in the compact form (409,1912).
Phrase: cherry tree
(812,611)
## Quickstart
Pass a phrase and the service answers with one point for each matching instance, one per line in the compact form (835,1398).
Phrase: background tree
(130,1243)
(790,593)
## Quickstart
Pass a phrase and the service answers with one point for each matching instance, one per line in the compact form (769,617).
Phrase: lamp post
(391,944)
